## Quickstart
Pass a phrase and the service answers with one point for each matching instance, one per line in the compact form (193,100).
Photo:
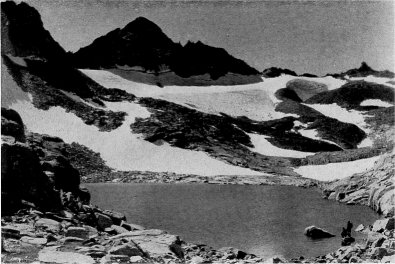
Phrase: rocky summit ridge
(142,46)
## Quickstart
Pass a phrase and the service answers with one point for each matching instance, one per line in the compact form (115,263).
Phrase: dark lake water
(264,220)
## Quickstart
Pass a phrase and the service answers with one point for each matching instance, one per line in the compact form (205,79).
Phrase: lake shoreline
(173,178)
(74,240)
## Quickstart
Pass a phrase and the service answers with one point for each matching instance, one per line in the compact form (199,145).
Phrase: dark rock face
(12,125)
(316,232)
(85,160)
(308,75)
(23,34)
(53,155)
(142,44)
(22,177)
(275,72)
(353,93)
(35,168)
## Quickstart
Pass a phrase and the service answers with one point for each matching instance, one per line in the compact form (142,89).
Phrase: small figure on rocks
(347,239)
(349,228)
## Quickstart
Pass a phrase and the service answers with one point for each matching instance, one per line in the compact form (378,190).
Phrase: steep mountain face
(363,71)
(23,34)
(141,43)
(142,46)
(33,62)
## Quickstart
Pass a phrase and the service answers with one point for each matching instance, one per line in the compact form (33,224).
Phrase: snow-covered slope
(339,170)
(121,149)
(255,101)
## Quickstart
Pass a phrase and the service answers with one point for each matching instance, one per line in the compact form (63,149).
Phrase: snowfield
(337,112)
(254,104)
(376,102)
(255,101)
(264,147)
(121,149)
(333,171)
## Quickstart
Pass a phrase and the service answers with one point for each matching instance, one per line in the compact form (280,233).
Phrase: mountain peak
(142,24)
(365,67)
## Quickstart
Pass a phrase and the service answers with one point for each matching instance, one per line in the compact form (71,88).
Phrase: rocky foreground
(86,234)
(91,235)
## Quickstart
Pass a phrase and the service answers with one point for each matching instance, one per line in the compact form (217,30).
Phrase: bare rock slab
(48,224)
(154,242)
(53,256)
(384,224)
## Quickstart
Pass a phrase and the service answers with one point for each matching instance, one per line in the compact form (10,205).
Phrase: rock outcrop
(68,237)
(351,94)
(35,168)
(23,180)
(379,247)
(374,188)
(305,88)
(316,232)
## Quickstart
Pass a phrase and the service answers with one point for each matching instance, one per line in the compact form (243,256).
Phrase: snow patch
(313,134)
(333,171)
(342,114)
(120,148)
(17,60)
(264,147)
(375,102)
(367,142)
